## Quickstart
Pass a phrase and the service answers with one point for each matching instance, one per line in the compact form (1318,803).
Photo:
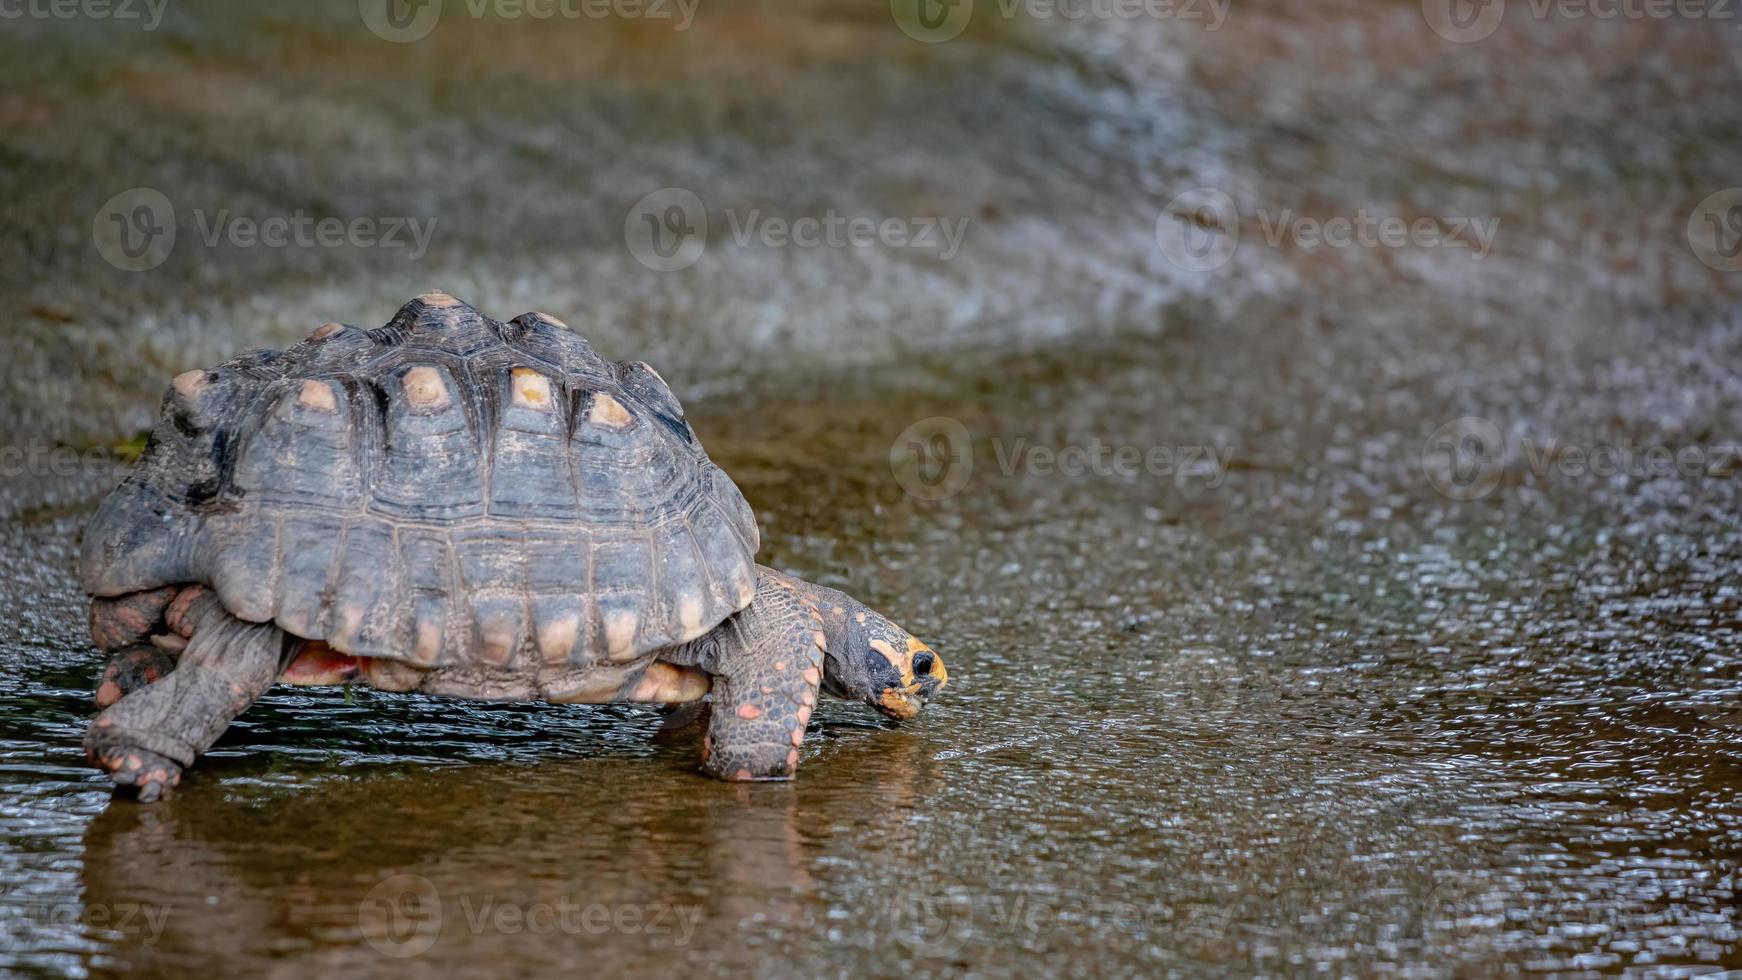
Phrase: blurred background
(1310,433)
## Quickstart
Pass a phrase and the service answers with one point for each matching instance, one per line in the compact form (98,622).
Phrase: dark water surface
(1280,674)
(1317,714)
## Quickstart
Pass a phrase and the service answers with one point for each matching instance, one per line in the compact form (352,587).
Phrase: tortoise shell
(444,490)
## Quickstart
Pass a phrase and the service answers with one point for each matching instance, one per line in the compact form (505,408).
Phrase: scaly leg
(767,663)
(121,627)
(146,738)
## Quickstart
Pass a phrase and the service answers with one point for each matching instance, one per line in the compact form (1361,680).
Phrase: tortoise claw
(145,773)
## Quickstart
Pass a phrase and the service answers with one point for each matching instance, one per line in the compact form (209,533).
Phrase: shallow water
(1317,714)
(1320,699)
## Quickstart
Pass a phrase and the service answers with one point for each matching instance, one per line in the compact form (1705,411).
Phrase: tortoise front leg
(767,663)
(146,738)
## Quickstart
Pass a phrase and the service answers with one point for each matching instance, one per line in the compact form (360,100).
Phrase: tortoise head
(882,665)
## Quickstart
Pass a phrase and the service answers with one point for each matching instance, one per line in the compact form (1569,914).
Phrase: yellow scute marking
(609,412)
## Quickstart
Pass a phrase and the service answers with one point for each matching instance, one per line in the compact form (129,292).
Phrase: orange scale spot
(749,712)
(812,675)
(798,736)
(792,758)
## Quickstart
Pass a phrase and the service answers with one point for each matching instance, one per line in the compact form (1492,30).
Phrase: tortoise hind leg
(145,739)
(122,626)
(131,668)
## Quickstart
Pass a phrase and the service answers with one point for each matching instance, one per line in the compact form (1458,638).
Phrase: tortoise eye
(923,661)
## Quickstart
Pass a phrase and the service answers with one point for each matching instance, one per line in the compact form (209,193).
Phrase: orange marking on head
(780,665)
(438,299)
(326,330)
(749,712)
(898,704)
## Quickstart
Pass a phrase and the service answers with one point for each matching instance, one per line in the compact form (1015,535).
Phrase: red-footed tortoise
(458,506)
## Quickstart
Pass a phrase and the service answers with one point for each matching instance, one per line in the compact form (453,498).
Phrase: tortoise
(458,506)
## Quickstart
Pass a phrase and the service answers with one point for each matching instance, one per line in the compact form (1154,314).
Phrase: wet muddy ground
(1355,609)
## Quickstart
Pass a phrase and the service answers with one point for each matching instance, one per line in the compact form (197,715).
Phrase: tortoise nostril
(923,663)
